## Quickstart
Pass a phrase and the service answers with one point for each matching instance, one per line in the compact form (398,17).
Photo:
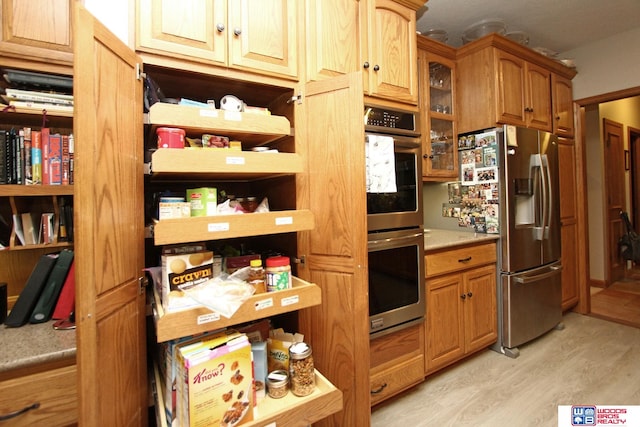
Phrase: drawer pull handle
(467,259)
(19,412)
(382,387)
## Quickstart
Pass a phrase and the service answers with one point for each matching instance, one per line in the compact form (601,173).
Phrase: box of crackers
(217,381)
(183,269)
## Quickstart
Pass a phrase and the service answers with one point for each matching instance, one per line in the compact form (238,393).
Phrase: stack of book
(37,91)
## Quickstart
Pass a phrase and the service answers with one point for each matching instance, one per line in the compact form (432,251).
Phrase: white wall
(114,14)
(608,65)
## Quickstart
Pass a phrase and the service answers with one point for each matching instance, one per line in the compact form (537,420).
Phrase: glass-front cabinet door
(437,104)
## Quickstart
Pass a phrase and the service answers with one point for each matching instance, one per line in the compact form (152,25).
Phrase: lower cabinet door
(47,398)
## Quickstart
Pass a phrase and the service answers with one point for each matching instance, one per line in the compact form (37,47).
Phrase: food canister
(277,383)
(170,137)
(278,273)
(301,369)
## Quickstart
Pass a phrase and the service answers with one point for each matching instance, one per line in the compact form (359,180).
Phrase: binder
(49,296)
(67,299)
(28,298)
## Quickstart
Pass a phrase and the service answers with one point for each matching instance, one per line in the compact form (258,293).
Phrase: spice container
(277,383)
(301,369)
(278,273)
(257,276)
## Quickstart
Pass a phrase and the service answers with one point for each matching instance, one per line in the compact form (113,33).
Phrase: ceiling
(554,25)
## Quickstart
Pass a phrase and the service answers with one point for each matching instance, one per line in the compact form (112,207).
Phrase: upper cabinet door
(390,59)
(37,30)
(109,224)
(538,99)
(189,28)
(333,38)
(263,35)
(562,106)
(511,89)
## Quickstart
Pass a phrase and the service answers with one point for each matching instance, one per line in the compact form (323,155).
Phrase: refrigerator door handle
(547,196)
(524,280)
(537,163)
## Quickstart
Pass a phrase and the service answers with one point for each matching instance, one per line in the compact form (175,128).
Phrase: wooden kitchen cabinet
(568,222)
(562,90)
(37,34)
(436,68)
(258,36)
(397,362)
(503,82)
(461,303)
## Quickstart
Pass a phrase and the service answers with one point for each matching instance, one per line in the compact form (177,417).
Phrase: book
(36,157)
(37,96)
(28,298)
(55,159)
(11,157)
(65,160)
(17,228)
(71,158)
(46,132)
(19,147)
(67,299)
(28,168)
(3,156)
(29,229)
(49,296)
(39,106)
(46,228)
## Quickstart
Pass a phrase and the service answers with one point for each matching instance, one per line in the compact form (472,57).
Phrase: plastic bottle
(257,276)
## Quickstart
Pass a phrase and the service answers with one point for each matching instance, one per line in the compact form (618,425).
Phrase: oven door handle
(395,239)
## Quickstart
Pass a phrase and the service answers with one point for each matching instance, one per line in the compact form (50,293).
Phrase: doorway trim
(584,292)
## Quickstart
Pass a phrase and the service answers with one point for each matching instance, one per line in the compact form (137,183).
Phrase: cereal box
(218,382)
(181,269)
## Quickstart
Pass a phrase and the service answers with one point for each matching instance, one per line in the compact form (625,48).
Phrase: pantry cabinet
(436,68)
(503,82)
(461,303)
(37,31)
(568,222)
(258,36)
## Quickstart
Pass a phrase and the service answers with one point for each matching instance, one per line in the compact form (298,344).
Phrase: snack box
(180,269)
(218,381)
(204,201)
(169,210)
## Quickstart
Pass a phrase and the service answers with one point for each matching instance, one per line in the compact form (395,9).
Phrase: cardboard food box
(170,210)
(204,201)
(218,382)
(180,269)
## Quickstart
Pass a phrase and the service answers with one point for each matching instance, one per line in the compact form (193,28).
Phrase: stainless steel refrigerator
(529,290)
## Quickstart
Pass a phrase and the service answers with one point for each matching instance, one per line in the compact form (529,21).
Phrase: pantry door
(109,228)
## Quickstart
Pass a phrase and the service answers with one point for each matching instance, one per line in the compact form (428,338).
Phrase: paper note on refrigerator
(380,164)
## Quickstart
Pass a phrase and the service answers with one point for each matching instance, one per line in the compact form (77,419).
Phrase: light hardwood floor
(591,361)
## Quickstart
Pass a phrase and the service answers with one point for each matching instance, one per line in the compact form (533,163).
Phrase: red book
(65,159)
(55,159)
(46,179)
(67,299)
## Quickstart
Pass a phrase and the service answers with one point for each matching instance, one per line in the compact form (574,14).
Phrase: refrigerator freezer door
(531,304)
(551,209)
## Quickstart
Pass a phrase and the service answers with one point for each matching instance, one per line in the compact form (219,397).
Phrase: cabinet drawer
(55,391)
(394,380)
(459,259)
(399,345)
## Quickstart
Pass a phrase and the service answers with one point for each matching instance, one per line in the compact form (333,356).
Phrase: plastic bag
(223,294)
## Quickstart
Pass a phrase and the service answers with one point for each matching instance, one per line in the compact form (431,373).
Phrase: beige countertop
(435,239)
(34,344)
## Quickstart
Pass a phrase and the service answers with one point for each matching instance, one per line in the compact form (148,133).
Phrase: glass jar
(278,273)
(277,384)
(302,373)
(257,276)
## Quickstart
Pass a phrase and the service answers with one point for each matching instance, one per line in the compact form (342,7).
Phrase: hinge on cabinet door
(139,74)
(302,260)
(143,282)
(295,98)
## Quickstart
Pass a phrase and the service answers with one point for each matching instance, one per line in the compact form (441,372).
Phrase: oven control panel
(390,121)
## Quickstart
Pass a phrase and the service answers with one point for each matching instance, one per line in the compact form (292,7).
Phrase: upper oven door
(402,206)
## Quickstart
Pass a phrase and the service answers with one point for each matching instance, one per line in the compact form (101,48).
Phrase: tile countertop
(34,344)
(435,239)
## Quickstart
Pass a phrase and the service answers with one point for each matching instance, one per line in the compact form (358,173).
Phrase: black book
(49,296)
(28,298)
(3,156)
(11,165)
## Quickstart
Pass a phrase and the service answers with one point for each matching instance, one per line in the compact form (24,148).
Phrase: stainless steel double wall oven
(395,224)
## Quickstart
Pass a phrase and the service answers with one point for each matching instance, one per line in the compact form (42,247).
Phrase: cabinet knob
(463,296)
(366,65)
(428,156)
(557,117)
(469,294)
(376,67)
(220,27)
(237,31)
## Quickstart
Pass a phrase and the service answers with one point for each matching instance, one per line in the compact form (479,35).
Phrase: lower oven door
(396,279)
